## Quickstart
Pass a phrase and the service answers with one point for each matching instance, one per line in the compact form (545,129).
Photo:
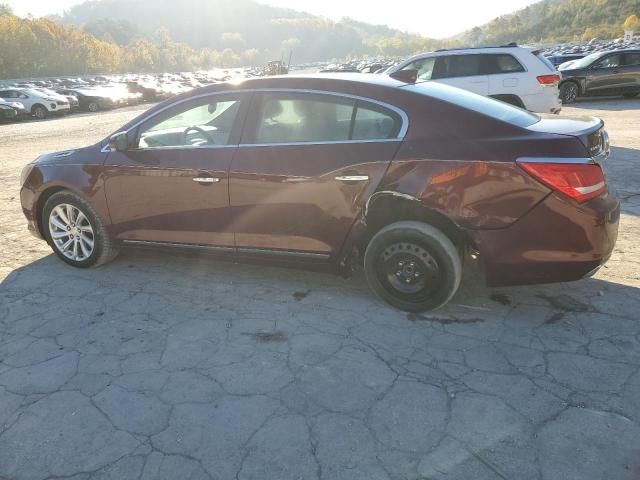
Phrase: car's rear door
(464,71)
(631,71)
(504,73)
(171,186)
(306,164)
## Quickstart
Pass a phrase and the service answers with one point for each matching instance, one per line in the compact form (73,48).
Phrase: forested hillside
(241,25)
(108,36)
(556,21)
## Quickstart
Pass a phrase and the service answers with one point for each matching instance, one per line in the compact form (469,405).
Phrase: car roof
(314,78)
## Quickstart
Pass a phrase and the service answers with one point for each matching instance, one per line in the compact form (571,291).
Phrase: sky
(431,18)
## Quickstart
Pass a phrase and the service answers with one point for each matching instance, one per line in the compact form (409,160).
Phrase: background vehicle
(40,104)
(520,76)
(21,111)
(90,100)
(8,113)
(340,169)
(604,73)
(558,60)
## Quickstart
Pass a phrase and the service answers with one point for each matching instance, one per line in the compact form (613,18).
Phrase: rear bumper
(558,241)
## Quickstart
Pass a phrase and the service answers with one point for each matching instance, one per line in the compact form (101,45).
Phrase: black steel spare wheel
(409,269)
(413,266)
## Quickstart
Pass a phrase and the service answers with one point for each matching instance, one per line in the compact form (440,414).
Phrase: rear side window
(477,103)
(301,118)
(291,118)
(501,63)
(632,59)
(374,123)
(452,66)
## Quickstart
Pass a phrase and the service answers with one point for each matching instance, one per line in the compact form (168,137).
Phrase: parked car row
(43,98)
(537,79)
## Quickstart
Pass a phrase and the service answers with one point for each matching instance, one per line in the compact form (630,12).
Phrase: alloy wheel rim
(410,271)
(40,112)
(71,232)
(572,93)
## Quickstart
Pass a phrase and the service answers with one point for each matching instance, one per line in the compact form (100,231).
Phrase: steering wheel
(207,138)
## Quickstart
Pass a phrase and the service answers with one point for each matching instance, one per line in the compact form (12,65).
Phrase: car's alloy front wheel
(93,107)
(413,266)
(75,232)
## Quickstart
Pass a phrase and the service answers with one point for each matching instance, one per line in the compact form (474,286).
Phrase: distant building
(630,36)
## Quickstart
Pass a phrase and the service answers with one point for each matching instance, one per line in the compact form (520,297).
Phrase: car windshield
(586,61)
(487,106)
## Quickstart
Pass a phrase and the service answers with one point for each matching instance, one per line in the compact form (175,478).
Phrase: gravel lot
(162,366)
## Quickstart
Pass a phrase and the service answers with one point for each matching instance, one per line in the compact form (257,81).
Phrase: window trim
(404,118)
(252,122)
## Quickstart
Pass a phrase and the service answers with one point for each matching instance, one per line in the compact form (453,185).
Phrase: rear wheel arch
(385,208)
(510,99)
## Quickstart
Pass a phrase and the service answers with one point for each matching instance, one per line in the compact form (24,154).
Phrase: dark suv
(602,73)
(407,180)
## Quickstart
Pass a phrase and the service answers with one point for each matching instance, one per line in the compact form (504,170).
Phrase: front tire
(569,92)
(93,107)
(413,266)
(39,112)
(75,232)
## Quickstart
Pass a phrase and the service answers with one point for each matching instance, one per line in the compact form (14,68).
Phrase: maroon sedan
(407,179)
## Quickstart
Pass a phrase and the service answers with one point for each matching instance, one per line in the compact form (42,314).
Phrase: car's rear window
(477,103)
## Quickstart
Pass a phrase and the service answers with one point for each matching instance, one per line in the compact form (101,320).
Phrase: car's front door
(606,76)
(306,165)
(171,185)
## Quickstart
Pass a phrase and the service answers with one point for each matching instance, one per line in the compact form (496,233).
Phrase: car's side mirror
(406,76)
(119,141)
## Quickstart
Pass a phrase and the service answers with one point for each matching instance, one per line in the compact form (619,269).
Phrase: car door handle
(352,178)
(206,179)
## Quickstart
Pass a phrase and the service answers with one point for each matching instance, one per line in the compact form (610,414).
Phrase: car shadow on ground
(613,104)
(622,172)
(195,280)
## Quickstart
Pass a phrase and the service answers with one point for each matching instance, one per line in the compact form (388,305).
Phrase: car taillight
(581,182)
(552,79)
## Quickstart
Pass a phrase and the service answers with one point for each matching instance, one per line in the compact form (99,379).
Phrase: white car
(38,103)
(520,76)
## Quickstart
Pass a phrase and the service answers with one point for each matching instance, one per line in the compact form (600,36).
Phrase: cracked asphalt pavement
(161,366)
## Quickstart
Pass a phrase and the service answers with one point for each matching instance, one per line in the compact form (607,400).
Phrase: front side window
(291,118)
(611,61)
(452,66)
(424,67)
(205,122)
